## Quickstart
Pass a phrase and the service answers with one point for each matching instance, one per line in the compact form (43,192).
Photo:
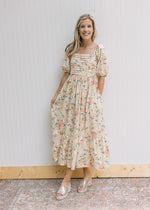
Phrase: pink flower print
(94,81)
(94,134)
(81,99)
(74,156)
(91,101)
(98,74)
(97,89)
(101,59)
(107,152)
(82,110)
(88,165)
(84,138)
(92,156)
(101,166)
(76,112)
(75,127)
(61,133)
(60,123)
(58,150)
(90,116)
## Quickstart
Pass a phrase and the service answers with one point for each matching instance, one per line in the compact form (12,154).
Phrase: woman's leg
(86,172)
(88,176)
(67,177)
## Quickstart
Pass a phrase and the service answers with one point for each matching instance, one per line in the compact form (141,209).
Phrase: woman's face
(86,29)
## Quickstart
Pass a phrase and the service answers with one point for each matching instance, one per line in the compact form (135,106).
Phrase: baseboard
(45,172)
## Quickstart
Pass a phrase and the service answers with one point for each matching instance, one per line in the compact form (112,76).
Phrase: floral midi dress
(79,135)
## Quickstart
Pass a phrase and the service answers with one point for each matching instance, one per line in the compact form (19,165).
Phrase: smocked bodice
(87,64)
(83,64)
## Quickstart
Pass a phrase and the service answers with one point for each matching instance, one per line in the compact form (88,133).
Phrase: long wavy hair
(76,44)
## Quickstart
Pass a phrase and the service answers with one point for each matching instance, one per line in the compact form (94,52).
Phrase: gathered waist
(83,72)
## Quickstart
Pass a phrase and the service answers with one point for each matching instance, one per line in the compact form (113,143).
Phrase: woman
(78,129)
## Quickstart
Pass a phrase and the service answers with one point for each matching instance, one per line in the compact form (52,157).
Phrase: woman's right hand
(53,101)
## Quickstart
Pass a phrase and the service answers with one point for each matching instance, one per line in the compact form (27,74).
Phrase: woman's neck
(86,43)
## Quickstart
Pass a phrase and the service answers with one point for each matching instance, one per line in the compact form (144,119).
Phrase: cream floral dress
(79,136)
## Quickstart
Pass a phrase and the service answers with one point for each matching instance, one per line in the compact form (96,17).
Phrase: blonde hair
(75,45)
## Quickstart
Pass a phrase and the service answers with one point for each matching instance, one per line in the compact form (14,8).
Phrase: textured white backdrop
(33,36)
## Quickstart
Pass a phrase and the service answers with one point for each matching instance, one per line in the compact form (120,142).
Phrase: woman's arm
(101,82)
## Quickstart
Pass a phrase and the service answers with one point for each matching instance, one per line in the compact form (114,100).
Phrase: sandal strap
(84,182)
(63,189)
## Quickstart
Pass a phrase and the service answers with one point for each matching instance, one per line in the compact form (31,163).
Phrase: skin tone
(86,31)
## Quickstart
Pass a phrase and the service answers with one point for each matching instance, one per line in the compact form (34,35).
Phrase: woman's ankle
(67,177)
(66,181)
(87,172)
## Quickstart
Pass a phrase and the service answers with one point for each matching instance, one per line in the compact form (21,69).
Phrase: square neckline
(88,53)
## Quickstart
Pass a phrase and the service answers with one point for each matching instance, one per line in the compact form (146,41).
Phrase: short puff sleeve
(66,64)
(102,65)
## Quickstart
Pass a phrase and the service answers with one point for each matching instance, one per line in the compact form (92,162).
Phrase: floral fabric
(79,135)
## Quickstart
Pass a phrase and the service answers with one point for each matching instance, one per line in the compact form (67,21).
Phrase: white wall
(33,35)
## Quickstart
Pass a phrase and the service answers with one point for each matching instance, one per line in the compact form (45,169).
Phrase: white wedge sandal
(63,191)
(84,184)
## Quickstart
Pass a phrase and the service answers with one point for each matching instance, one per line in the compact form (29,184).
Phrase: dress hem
(91,166)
